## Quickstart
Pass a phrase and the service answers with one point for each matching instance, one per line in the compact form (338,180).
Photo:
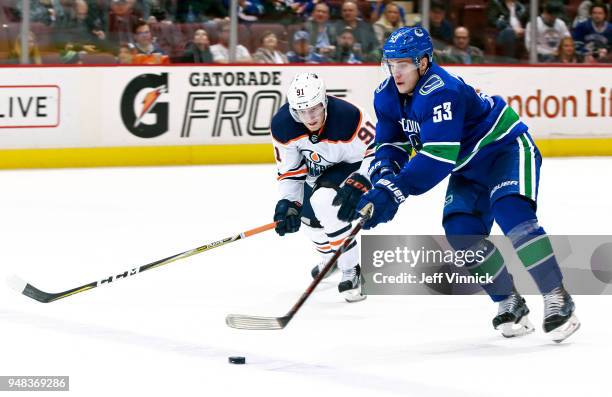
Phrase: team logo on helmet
(396,36)
(418,32)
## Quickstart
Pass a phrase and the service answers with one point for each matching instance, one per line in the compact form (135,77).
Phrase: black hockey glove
(287,214)
(349,195)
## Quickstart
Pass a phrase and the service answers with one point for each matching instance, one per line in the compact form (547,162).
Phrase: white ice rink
(162,333)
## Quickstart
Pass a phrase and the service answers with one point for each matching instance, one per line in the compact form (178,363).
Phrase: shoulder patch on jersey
(431,84)
(382,85)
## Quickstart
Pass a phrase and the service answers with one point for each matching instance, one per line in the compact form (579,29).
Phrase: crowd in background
(300,31)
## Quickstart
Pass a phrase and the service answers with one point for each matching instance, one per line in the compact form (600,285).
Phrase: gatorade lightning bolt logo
(149,101)
(156,124)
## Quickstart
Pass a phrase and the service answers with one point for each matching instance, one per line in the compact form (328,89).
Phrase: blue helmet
(409,42)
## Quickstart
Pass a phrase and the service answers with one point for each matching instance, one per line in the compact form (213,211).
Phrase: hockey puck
(237,360)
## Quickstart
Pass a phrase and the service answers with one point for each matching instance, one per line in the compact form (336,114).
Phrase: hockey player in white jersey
(323,147)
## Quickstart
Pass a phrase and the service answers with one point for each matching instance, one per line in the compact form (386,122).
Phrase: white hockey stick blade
(16,283)
(241,321)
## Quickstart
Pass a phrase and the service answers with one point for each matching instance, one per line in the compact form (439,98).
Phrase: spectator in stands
(582,13)
(277,11)
(268,52)
(303,52)
(508,17)
(40,11)
(124,56)
(76,32)
(593,37)
(439,27)
(362,31)
(198,50)
(33,51)
(220,51)
(143,40)
(248,10)
(347,51)
(378,10)
(121,22)
(322,32)
(301,8)
(566,53)
(549,32)
(189,11)
(97,18)
(461,52)
(388,22)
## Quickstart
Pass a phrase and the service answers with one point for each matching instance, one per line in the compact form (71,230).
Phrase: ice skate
(512,317)
(318,267)
(350,285)
(559,318)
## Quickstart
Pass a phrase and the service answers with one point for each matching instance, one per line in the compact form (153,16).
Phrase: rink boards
(101,116)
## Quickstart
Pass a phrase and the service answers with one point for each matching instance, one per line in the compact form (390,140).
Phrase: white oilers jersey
(302,156)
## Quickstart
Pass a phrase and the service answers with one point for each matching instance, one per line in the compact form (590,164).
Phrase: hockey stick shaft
(270,323)
(45,297)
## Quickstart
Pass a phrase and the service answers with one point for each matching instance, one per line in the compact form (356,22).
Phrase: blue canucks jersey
(445,121)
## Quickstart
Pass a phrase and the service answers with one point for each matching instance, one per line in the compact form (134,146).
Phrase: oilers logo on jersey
(315,163)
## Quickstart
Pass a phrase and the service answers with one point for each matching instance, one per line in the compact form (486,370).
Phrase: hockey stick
(30,291)
(242,321)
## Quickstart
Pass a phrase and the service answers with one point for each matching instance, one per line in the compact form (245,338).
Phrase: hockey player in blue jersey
(323,147)
(494,174)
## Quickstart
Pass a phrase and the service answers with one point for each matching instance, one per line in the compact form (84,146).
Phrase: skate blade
(353,295)
(512,330)
(566,330)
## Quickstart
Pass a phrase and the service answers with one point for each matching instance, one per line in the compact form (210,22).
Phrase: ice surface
(163,332)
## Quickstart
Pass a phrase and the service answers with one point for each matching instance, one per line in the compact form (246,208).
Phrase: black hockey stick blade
(31,291)
(242,321)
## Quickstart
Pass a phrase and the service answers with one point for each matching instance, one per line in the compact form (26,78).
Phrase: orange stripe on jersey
(337,242)
(351,138)
(292,173)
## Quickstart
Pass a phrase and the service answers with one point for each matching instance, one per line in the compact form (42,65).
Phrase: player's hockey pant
(320,218)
